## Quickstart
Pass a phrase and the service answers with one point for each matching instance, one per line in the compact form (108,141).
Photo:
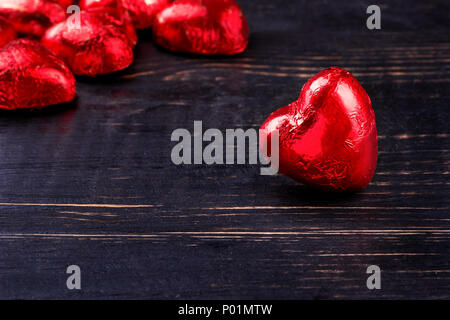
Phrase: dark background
(225,231)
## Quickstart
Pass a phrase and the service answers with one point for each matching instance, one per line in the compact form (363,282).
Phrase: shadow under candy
(41,111)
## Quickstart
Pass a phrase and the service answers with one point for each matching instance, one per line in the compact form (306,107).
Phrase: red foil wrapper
(93,47)
(113,13)
(64,3)
(328,137)
(32,77)
(141,12)
(7,32)
(91,4)
(202,27)
(31,17)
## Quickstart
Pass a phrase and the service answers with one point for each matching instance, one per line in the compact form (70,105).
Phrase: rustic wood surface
(92,183)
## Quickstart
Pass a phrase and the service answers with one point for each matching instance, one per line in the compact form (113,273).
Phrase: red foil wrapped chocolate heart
(92,47)
(7,32)
(202,27)
(141,12)
(32,77)
(114,13)
(31,17)
(328,137)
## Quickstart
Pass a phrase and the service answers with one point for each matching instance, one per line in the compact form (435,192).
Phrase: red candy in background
(91,4)
(113,12)
(31,17)
(64,3)
(141,12)
(328,137)
(32,77)
(93,47)
(121,21)
(7,32)
(202,27)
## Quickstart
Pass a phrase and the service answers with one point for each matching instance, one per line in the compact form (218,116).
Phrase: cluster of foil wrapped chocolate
(99,37)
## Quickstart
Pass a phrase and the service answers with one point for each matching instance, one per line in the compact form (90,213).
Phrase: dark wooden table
(92,183)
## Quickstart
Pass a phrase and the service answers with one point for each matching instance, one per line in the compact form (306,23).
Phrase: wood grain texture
(92,183)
